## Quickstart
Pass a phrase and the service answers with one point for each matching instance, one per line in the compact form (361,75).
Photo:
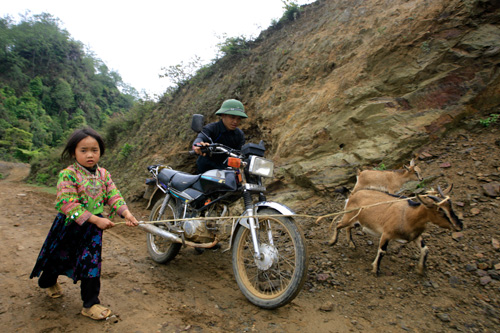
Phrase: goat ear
(412,162)
(429,203)
(408,168)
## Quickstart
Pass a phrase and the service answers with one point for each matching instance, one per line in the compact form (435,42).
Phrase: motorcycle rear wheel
(160,249)
(277,279)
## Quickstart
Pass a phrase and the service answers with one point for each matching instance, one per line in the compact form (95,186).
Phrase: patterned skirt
(70,249)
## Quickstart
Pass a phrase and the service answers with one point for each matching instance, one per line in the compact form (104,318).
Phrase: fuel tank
(218,180)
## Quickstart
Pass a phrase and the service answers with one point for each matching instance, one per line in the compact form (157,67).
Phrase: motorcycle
(269,256)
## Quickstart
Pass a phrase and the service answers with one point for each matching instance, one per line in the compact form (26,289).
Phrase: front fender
(154,196)
(243,220)
(285,210)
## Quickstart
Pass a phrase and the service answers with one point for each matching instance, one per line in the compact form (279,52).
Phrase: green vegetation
(292,11)
(181,74)
(425,47)
(381,167)
(49,86)
(126,151)
(234,46)
(490,120)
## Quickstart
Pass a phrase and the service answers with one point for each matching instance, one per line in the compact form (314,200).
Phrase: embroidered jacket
(81,194)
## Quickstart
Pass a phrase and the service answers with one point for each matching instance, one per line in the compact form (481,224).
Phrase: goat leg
(382,249)
(424,250)
(349,237)
(333,240)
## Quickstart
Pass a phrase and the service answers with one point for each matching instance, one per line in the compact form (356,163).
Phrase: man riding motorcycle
(226,131)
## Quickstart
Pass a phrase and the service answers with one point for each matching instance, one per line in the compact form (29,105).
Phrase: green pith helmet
(232,107)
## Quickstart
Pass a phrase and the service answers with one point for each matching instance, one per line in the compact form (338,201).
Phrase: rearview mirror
(197,122)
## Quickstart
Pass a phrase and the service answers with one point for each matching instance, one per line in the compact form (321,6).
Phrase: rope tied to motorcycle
(318,218)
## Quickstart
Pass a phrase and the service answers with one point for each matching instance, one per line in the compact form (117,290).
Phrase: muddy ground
(197,292)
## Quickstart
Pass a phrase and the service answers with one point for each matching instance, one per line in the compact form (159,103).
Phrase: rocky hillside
(347,84)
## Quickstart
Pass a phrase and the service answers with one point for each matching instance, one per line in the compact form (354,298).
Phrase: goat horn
(441,191)
(445,192)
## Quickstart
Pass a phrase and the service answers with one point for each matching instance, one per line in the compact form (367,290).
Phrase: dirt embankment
(197,293)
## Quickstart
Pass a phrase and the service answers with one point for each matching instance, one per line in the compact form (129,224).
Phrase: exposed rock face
(349,83)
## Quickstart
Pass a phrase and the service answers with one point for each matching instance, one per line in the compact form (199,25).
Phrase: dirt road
(194,293)
(197,292)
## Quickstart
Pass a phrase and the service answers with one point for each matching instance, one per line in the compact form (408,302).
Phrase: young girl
(73,245)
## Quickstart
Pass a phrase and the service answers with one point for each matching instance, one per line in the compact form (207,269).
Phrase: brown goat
(405,220)
(387,180)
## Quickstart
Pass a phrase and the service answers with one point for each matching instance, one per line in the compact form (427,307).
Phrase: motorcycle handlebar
(215,148)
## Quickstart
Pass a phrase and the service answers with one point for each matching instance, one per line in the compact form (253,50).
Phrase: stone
(425,156)
(444,317)
(483,265)
(485,280)
(479,255)
(323,277)
(495,243)
(471,267)
(475,211)
(454,280)
(491,189)
(456,236)
(481,272)
(445,165)
(494,274)
(327,307)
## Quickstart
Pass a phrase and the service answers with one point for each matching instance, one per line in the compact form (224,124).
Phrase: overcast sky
(137,39)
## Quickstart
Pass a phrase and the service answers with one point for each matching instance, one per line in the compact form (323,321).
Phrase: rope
(318,218)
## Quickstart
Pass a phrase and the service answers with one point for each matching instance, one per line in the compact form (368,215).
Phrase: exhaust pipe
(160,232)
(173,238)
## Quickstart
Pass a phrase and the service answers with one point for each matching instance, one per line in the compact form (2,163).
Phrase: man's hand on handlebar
(198,148)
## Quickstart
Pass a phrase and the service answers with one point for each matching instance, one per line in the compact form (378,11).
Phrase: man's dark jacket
(219,134)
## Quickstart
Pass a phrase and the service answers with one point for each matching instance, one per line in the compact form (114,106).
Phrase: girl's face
(87,152)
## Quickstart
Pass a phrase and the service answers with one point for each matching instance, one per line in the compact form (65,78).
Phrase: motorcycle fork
(164,204)
(253,223)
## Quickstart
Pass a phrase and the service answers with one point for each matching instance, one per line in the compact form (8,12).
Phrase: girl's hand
(101,222)
(131,221)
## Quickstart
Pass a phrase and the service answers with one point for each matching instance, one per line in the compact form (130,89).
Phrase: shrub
(490,120)
(126,151)
(234,46)
(42,178)
(292,11)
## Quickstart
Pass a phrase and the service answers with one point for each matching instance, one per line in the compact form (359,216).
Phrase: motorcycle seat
(181,181)
(166,175)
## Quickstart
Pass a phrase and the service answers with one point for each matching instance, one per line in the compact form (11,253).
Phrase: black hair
(76,137)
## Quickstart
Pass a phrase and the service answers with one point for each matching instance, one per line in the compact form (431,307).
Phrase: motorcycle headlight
(261,167)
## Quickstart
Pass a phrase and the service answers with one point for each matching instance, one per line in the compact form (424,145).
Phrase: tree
(50,85)
(18,138)
(63,95)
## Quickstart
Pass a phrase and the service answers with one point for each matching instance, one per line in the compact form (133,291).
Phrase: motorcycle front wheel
(278,277)
(160,249)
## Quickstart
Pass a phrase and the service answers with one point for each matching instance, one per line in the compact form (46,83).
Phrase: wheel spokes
(278,277)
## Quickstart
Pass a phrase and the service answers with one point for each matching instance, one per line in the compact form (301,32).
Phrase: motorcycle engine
(196,230)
